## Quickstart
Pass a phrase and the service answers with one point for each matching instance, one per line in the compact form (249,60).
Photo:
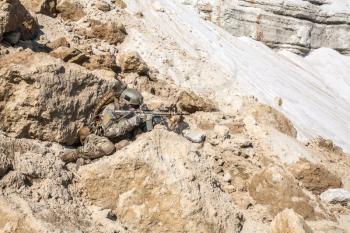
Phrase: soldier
(114,127)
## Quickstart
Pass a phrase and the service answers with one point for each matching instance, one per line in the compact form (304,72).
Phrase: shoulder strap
(105,99)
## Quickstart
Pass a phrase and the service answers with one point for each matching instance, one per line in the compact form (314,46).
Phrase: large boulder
(45,98)
(15,18)
(160,183)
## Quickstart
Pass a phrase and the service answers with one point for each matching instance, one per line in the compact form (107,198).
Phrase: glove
(135,120)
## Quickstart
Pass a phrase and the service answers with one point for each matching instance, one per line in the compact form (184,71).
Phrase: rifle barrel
(157,113)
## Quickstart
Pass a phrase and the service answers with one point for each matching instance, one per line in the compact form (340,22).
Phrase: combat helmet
(132,96)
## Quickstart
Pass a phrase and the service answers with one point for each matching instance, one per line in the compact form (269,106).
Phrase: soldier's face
(133,107)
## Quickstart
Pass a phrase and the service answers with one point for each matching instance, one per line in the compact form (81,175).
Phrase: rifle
(150,115)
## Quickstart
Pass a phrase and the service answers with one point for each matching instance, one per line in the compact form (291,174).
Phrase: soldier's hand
(135,120)
(142,116)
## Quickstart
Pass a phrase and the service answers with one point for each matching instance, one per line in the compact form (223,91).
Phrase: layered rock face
(299,26)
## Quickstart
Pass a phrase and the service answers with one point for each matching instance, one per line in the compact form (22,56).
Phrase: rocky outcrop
(141,184)
(15,18)
(299,26)
(41,97)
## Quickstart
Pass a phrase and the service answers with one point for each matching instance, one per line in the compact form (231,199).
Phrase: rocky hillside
(235,164)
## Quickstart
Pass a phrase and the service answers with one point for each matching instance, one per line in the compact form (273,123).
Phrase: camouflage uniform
(94,147)
(113,127)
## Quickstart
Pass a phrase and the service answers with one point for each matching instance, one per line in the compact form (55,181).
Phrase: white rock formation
(335,196)
(296,25)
